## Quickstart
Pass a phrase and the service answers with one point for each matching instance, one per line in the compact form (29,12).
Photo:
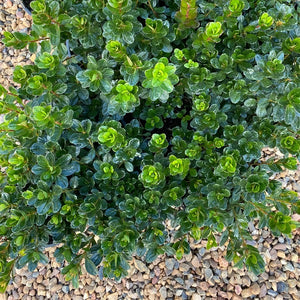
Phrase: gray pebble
(288,241)
(208,273)
(35,274)
(216,279)
(252,277)
(141,266)
(218,271)
(251,226)
(288,267)
(272,293)
(202,251)
(24,30)
(296,186)
(252,243)
(170,263)
(101,273)
(184,296)
(281,287)
(163,292)
(179,280)
(65,289)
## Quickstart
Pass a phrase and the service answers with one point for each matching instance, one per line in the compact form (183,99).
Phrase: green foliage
(96,76)
(160,80)
(178,166)
(123,99)
(265,20)
(158,142)
(256,183)
(236,6)
(280,223)
(152,175)
(110,136)
(159,113)
(187,15)
(213,30)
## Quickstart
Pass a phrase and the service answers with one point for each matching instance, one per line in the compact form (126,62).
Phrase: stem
(278,200)
(15,110)
(53,93)
(12,94)
(260,209)
(8,130)
(38,40)
(52,20)
(239,229)
(265,163)
(68,58)
(151,7)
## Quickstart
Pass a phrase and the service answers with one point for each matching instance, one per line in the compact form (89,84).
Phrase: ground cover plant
(140,112)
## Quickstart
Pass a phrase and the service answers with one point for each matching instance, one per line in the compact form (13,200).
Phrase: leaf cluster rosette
(136,113)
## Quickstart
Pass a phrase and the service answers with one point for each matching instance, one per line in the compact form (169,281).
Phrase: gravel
(200,275)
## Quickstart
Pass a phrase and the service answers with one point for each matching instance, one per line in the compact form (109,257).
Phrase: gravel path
(199,275)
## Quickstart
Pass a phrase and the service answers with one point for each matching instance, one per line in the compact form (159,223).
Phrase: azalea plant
(136,113)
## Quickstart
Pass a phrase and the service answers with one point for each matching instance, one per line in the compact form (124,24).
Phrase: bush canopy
(142,113)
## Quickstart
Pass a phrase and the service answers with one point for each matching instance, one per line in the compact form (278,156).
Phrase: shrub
(160,112)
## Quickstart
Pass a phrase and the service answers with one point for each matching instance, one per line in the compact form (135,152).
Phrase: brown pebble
(281,254)
(237,289)
(8,4)
(212,291)
(280,247)
(154,280)
(19,15)
(223,263)
(236,297)
(26,290)
(157,271)
(204,286)
(263,291)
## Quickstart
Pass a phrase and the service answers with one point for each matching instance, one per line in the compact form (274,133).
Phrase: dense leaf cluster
(159,113)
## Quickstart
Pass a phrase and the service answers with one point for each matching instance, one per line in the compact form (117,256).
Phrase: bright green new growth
(116,50)
(256,184)
(187,15)
(110,137)
(178,166)
(227,165)
(213,30)
(291,144)
(123,99)
(152,175)
(160,80)
(97,76)
(136,114)
(47,61)
(107,136)
(265,20)
(158,142)
(236,6)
